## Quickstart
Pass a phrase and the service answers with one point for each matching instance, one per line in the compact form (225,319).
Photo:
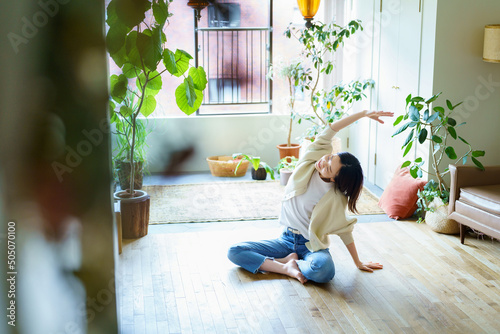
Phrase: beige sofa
(475,199)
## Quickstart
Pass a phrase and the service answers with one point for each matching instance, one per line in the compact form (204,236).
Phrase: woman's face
(328,166)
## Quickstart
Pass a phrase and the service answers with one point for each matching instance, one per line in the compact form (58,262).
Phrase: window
(235,51)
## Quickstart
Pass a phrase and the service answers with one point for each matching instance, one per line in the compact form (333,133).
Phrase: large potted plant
(434,126)
(319,44)
(137,44)
(294,73)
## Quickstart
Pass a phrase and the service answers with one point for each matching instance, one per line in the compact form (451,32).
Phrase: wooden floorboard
(179,280)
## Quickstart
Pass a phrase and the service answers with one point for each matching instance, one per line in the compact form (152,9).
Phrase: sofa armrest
(467,176)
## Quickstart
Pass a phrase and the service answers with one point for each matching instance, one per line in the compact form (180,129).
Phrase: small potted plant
(285,169)
(260,168)
(434,126)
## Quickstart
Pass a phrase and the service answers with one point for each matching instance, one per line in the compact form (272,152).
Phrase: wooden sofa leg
(462,233)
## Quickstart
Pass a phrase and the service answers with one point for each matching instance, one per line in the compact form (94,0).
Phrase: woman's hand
(376,114)
(369,266)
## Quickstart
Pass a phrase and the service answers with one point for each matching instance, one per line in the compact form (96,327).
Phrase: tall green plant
(319,43)
(294,73)
(435,126)
(137,44)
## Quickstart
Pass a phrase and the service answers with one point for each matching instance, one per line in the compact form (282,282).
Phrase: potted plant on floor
(295,75)
(434,126)
(260,169)
(285,168)
(136,43)
(319,44)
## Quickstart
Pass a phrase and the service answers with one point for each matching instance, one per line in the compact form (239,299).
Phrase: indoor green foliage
(288,162)
(436,126)
(138,45)
(319,43)
(255,161)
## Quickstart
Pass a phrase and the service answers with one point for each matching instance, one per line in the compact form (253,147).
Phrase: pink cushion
(399,200)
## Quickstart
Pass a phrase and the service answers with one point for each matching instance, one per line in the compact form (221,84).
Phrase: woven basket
(224,166)
(438,220)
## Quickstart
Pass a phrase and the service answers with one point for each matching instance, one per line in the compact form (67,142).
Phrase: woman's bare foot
(292,270)
(291,256)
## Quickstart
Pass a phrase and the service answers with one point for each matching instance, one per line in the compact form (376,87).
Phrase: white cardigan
(329,214)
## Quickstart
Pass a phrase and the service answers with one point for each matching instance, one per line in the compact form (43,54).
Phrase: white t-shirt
(296,212)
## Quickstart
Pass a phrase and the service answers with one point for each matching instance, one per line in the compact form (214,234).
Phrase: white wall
(218,135)
(462,75)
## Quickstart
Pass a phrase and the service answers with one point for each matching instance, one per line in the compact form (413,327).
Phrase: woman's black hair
(349,180)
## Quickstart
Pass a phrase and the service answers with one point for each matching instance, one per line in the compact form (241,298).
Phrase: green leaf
(118,87)
(199,77)
(478,153)
(408,148)
(149,48)
(190,93)
(148,106)
(452,132)
(418,99)
(417,160)
(422,136)
(131,12)
(438,109)
(406,164)
(132,50)
(155,82)
(436,139)
(120,57)
(432,117)
(465,141)
(398,120)
(130,71)
(111,107)
(432,99)
(451,121)
(408,99)
(414,114)
(449,105)
(169,61)
(477,163)
(401,129)
(426,115)
(182,62)
(414,172)
(125,111)
(182,102)
(115,38)
(450,152)
(160,12)
(409,138)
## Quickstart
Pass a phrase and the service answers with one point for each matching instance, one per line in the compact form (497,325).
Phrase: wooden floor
(178,280)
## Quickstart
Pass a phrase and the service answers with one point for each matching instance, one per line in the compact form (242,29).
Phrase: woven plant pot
(224,166)
(438,220)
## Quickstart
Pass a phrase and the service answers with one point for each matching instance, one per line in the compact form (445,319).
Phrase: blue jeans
(315,266)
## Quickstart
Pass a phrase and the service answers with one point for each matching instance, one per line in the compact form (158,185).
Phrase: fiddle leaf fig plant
(435,126)
(137,43)
(319,43)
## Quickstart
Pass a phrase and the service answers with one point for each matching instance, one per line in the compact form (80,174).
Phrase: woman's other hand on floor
(369,266)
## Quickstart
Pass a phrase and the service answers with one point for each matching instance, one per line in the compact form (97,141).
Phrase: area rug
(227,201)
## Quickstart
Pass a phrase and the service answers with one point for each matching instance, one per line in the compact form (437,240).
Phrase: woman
(320,189)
